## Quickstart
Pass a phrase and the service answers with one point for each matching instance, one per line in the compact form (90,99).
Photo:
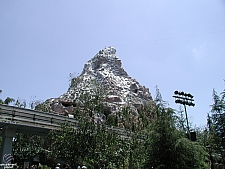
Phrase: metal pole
(185,99)
(187,121)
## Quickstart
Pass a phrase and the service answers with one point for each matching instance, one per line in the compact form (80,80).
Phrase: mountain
(103,75)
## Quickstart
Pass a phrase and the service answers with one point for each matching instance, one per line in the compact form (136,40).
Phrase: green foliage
(89,100)
(7,101)
(21,103)
(68,145)
(216,124)
(27,146)
(155,138)
(24,146)
(89,145)
(167,147)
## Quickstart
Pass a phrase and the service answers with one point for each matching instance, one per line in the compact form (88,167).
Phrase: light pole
(185,99)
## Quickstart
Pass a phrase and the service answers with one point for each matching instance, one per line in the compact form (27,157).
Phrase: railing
(11,115)
(28,117)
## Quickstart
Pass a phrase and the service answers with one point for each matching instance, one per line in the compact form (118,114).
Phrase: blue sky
(176,45)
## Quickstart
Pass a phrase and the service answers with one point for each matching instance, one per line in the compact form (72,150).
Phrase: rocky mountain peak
(106,69)
(103,64)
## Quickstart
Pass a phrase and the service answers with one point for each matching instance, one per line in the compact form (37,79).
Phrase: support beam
(6,146)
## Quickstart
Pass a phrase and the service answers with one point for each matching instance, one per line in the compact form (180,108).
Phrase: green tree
(90,143)
(27,147)
(24,146)
(69,144)
(216,124)
(7,101)
(166,146)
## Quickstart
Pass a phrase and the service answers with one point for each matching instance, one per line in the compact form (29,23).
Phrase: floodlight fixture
(184,99)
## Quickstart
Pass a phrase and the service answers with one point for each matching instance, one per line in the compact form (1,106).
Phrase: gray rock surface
(105,68)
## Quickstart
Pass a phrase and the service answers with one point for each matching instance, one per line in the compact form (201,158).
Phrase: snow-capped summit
(104,63)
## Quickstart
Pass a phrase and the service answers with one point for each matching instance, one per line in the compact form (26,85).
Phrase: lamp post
(185,99)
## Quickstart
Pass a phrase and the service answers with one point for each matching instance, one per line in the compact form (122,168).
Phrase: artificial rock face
(105,68)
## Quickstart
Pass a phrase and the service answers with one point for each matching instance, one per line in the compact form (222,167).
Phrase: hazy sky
(174,44)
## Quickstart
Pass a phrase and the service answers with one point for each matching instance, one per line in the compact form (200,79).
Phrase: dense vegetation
(155,139)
